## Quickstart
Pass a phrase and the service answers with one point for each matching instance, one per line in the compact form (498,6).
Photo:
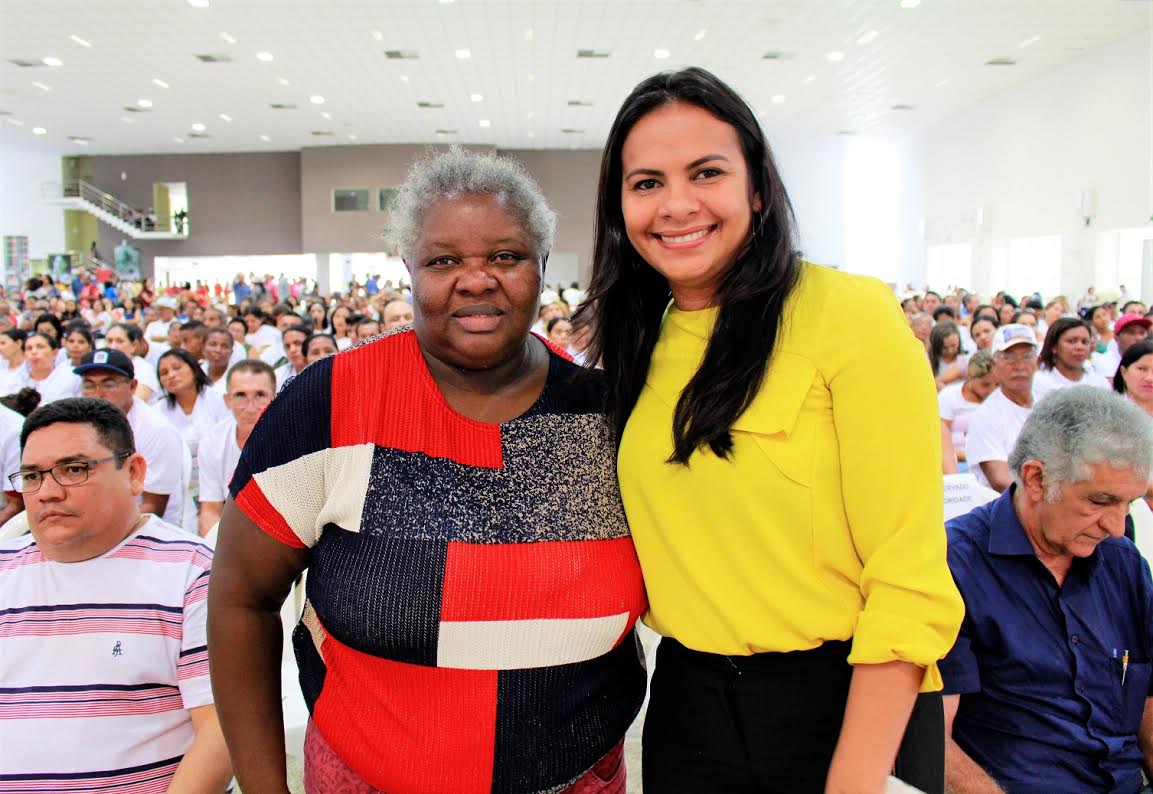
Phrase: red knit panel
(254,504)
(383,393)
(532,581)
(405,727)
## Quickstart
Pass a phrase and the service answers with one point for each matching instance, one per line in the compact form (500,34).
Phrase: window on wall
(1121,260)
(385,196)
(351,200)
(949,265)
(1032,264)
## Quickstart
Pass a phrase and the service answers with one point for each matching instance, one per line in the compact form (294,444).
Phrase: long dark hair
(627,298)
(198,377)
(1061,326)
(1136,351)
(937,337)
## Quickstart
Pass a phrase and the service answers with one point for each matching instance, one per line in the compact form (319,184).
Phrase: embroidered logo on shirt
(116,651)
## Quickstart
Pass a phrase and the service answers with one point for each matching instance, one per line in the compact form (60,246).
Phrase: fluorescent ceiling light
(316,99)
(463,54)
(866,37)
(42,86)
(809,80)
(941,83)
(82,42)
(264,55)
(404,78)
(779,99)
(159,82)
(283,81)
(531,134)
(144,103)
(198,127)
(228,37)
(485,123)
(352,136)
(16,122)
(49,60)
(836,56)
(198,3)
(910,3)
(39,131)
(661,53)
(225,117)
(529,34)
(476,97)
(1029,42)
(700,34)
(265,138)
(324,114)
(376,34)
(177,139)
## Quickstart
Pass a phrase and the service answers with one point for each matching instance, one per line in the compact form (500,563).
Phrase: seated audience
(1134,377)
(126,338)
(218,357)
(251,387)
(957,403)
(78,340)
(922,326)
(1127,331)
(319,346)
(293,339)
(560,333)
(43,371)
(396,313)
(995,425)
(945,357)
(110,375)
(1047,687)
(193,334)
(981,331)
(1064,358)
(366,328)
(107,688)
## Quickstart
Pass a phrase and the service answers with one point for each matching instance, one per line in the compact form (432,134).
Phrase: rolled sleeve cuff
(884,637)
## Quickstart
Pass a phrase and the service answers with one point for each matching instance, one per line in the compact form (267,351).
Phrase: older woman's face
(476,279)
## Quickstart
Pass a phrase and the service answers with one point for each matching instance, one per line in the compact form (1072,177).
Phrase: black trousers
(765,724)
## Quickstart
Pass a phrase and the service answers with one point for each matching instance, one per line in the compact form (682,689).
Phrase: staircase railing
(114,206)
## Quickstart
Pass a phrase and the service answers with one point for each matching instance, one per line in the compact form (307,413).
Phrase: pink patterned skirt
(326,773)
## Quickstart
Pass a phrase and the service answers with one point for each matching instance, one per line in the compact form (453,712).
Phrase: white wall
(23,210)
(813,172)
(1023,156)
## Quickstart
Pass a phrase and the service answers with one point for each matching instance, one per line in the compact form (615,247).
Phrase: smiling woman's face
(476,277)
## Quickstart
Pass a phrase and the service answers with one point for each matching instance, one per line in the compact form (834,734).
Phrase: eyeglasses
(104,386)
(73,472)
(1017,358)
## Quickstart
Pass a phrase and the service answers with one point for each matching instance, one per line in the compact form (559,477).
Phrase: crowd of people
(488,482)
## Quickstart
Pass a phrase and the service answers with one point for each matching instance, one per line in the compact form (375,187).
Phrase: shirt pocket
(775,418)
(1133,693)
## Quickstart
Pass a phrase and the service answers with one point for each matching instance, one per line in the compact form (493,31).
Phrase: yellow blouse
(826,524)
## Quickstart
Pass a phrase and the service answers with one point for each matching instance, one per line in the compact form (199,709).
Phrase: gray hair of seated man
(458,172)
(1072,429)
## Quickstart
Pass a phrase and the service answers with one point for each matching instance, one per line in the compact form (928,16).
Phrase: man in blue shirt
(1047,688)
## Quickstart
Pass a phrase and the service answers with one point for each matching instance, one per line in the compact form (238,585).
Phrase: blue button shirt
(1039,667)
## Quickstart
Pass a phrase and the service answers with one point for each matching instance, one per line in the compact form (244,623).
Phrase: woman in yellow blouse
(781,476)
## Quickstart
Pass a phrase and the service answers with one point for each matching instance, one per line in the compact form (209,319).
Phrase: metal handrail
(112,205)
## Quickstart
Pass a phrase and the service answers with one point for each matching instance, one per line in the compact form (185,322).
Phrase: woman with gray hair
(451,488)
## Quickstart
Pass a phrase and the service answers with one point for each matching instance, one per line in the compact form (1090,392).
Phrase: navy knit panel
(537,745)
(311,665)
(379,595)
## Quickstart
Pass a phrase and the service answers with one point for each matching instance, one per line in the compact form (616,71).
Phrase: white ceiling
(523,62)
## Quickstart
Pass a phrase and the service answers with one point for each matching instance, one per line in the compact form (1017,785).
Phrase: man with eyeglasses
(103,653)
(251,387)
(110,375)
(996,423)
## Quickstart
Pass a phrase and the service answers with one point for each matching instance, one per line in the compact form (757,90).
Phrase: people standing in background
(158,331)
(1129,329)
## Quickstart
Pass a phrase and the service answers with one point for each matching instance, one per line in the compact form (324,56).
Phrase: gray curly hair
(1070,429)
(458,172)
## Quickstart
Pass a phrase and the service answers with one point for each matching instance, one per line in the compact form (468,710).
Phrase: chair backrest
(14,527)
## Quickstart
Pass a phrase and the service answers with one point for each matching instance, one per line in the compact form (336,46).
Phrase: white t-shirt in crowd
(993,429)
(344,343)
(146,376)
(956,409)
(158,328)
(101,692)
(219,454)
(61,382)
(155,351)
(208,409)
(1047,380)
(1105,364)
(165,452)
(11,423)
(267,340)
(283,373)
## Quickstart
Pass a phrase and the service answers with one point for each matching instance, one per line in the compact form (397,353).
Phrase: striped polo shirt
(472,587)
(100,661)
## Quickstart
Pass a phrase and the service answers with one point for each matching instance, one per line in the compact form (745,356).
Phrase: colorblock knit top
(472,587)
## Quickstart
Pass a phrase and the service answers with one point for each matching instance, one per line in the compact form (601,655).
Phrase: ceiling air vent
(26,63)
(5,112)
(79,139)
(321,133)
(430,105)
(200,135)
(571,131)
(135,109)
(448,132)
(213,57)
(1001,61)
(401,55)
(846,132)
(580,103)
(594,53)
(282,105)
(778,55)
(903,106)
